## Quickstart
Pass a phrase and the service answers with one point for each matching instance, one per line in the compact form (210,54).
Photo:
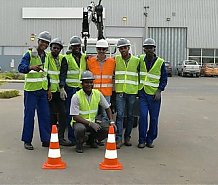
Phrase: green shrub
(9,93)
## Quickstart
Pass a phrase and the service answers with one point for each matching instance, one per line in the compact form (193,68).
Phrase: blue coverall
(148,105)
(35,100)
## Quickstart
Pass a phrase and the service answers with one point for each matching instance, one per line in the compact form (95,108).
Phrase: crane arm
(93,13)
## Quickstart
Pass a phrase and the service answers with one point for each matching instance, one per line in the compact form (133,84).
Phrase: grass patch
(12,76)
(9,94)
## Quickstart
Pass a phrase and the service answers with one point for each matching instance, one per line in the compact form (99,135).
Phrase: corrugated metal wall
(199,16)
(171,43)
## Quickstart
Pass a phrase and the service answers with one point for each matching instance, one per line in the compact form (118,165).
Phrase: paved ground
(186,151)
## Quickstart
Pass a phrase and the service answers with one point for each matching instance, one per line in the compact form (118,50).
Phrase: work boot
(149,145)
(64,142)
(119,144)
(127,142)
(141,145)
(28,146)
(79,148)
(45,144)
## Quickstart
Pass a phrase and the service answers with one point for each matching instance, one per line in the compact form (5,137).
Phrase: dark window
(207,60)
(208,52)
(194,52)
(217,52)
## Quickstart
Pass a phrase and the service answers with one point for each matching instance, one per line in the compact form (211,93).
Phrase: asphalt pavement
(185,152)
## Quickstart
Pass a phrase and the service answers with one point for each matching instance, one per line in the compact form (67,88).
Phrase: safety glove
(157,95)
(112,123)
(63,94)
(95,126)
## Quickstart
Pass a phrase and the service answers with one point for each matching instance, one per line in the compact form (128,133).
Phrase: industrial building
(184,29)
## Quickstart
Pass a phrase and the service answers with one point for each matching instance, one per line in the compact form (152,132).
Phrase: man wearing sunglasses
(153,80)
(126,88)
(103,69)
(72,65)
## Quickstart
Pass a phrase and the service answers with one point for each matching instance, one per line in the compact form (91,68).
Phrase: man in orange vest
(103,69)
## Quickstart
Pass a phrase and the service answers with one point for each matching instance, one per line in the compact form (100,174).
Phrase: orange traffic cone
(54,155)
(111,162)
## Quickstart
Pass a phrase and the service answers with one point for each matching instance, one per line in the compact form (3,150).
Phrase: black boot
(79,148)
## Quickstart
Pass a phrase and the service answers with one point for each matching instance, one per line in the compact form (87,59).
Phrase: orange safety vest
(103,75)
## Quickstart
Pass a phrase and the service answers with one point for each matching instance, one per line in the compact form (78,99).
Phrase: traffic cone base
(108,165)
(110,161)
(54,155)
(58,164)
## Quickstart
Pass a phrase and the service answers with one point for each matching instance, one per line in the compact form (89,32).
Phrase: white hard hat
(102,43)
(45,35)
(149,42)
(57,41)
(75,40)
(87,75)
(123,42)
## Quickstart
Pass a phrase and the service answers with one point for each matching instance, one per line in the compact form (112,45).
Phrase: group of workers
(74,92)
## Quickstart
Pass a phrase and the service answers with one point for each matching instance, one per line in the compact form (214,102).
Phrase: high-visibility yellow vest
(88,110)
(150,80)
(36,80)
(54,72)
(74,71)
(126,77)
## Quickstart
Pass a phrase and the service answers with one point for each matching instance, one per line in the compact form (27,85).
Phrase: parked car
(168,68)
(188,67)
(209,69)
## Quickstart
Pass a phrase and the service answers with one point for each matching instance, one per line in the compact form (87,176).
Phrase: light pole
(146,15)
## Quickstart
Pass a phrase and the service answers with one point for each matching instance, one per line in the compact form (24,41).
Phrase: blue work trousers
(148,105)
(36,100)
(70,92)
(124,102)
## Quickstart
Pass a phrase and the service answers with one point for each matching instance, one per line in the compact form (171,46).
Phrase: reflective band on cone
(111,138)
(110,161)
(54,155)
(54,138)
(111,154)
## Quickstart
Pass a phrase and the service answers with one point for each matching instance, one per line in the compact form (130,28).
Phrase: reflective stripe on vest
(88,110)
(36,80)
(54,72)
(126,77)
(103,74)
(102,85)
(126,81)
(74,71)
(150,80)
